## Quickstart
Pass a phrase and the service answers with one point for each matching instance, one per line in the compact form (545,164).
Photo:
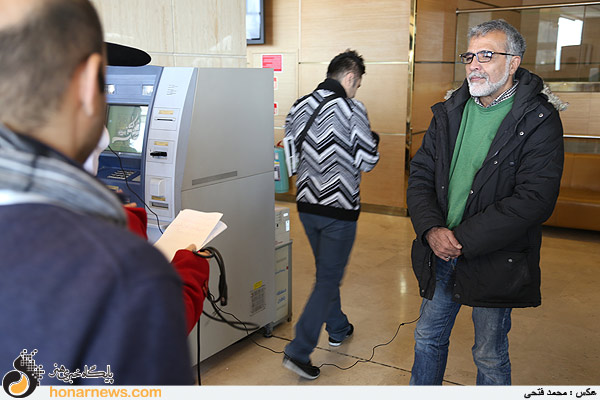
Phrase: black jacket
(512,194)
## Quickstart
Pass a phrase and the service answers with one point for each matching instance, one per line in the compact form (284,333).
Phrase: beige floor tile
(555,344)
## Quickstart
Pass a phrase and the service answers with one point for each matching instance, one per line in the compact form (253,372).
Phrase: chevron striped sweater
(337,147)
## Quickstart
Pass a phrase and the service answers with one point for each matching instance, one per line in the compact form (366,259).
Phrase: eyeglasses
(483,56)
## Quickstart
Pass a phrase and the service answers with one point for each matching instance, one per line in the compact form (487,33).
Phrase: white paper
(190,227)
(291,158)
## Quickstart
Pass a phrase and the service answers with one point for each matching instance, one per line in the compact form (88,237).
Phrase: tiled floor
(555,344)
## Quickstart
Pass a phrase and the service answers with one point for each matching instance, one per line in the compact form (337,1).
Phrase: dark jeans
(331,241)
(432,336)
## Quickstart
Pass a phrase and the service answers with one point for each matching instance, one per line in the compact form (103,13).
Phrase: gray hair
(515,43)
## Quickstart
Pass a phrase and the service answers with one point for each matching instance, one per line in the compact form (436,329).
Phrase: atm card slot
(156,204)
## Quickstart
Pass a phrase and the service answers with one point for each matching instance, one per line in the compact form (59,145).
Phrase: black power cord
(375,347)
(222,299)
(358,361)
(223,295)
(214,253)
(133,191)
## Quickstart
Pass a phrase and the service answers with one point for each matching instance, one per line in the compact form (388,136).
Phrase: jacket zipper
(515,131)
(489,159)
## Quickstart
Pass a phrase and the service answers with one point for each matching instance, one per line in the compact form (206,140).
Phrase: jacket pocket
(422,263)
(505,277)
(506,179)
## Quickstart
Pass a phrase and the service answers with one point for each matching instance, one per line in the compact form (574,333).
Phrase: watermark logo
(22,381)
(63,374)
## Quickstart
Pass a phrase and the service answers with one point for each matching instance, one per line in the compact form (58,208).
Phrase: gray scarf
(32,173)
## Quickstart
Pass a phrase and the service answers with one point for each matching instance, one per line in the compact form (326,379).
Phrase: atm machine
(202,139)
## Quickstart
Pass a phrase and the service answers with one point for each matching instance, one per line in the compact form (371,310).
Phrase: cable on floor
(254,327)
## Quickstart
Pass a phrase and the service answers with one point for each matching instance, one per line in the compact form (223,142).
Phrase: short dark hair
(515,43)
(348,61)
(38,56)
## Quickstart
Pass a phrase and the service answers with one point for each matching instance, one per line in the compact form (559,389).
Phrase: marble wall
(185,33)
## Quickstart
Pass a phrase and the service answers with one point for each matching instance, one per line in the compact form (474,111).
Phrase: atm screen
(126,125)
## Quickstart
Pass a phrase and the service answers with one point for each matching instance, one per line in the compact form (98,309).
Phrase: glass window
(562,43)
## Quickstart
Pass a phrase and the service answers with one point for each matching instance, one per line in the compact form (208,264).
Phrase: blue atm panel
(130,93)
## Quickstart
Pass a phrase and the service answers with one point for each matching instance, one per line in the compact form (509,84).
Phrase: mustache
(476,74)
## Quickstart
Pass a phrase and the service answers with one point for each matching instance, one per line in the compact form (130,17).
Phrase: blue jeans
(432,335)
(331,241)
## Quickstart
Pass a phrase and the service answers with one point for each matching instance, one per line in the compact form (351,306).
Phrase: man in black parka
(484,180)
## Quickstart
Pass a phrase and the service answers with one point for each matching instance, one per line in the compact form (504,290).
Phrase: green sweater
(478,128)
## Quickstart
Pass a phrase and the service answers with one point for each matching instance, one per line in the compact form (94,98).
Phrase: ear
(349,79)
(88,83)
(514,64)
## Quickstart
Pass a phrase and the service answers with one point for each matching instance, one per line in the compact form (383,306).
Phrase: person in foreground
(77,287)
(484,180)
(334,148)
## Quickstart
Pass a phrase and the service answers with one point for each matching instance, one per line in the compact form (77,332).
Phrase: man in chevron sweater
(331,132)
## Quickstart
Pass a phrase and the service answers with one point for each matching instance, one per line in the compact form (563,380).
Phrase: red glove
(194,272)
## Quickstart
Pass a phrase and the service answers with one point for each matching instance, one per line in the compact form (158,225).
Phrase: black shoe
(307,371)
(336,343)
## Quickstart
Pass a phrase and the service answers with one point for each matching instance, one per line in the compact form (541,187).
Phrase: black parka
(512,194)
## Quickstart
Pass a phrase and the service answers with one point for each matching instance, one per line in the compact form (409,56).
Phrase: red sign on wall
(274,61)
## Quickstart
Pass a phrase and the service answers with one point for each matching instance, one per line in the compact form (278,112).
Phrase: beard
(488,87)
